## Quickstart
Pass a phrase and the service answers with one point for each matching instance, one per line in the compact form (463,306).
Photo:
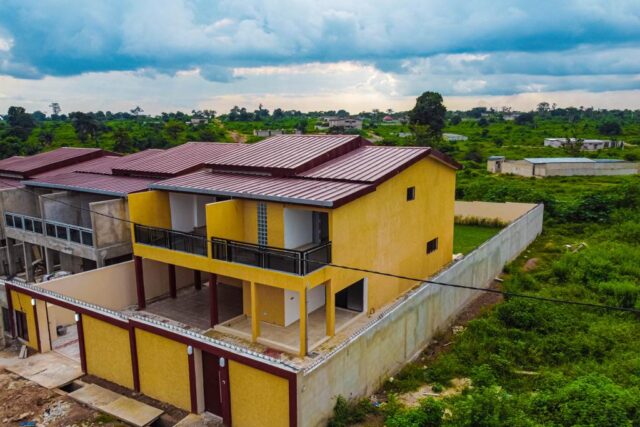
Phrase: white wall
(315,300)
(298,228)
(188,211)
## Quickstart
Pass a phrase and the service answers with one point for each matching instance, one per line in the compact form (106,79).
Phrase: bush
(346,413)
(592,400)
(620,294)
(428,414)
(487,407)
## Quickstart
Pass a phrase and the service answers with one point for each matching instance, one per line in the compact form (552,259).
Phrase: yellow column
(255,322)
(303,321)
(330,306)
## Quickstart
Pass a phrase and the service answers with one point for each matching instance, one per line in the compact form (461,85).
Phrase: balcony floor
(191,307)
(289,336)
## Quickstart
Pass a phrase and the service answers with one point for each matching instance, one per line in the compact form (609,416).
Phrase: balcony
(57,230)
(300,262)
(169,239)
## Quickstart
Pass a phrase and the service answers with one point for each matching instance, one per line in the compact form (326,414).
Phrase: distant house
(197,121)
(510,117)
(452,137)
(267,132)
(388,119)
(587,144)
(344,122)
(561,166)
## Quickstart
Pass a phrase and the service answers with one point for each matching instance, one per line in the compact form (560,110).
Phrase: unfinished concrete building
(561,166)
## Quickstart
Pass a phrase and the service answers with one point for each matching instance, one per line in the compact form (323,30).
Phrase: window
(432,245)
(22,326)
(411,193)
(262,224)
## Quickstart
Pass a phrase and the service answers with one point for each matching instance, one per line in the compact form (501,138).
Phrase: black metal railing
(171,239)
(58,230)
(287,260)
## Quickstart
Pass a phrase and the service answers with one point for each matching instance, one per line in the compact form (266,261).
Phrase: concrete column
(100,261)
(255,322)
(173,290)
(28,261)
(137,263)
(197,279)
(330,306)
(213,299)
(13,257)
(48,260)
(303,322)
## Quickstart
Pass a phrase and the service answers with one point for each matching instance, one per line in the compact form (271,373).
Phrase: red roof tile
(371,164)
(25,167)
(289,154)
(112,185)
(181,159)
(286,190)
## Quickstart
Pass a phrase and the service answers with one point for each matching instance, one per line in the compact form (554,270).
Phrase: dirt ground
(23,401)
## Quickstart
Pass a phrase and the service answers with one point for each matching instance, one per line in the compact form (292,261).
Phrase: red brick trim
(173,291)
(134,358)
(213,299)
(83,354)
(193,391)
(225,394)
(142,302)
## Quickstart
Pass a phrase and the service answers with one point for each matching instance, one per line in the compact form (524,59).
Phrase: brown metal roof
(177,160)
(285,190)
(106,165)
(111,185)
(26,167)
(289,154)
(368,164)
(93,164)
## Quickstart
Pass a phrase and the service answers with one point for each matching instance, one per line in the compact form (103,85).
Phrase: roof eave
(73,188)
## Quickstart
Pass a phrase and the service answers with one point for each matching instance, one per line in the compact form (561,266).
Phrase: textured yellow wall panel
(270,304)
(250,213)
(225,220)
(257,398)
(22,303)
(275,225)
(164,369)
(108,351)
(150,208)
(385,232)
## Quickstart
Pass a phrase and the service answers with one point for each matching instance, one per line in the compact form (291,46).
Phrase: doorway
(211,380)
(351,297)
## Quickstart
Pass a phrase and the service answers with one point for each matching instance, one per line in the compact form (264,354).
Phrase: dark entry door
(211,380)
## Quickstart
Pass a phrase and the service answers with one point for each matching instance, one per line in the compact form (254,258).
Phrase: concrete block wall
(359,366)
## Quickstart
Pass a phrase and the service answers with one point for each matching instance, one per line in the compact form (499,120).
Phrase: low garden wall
(358,366)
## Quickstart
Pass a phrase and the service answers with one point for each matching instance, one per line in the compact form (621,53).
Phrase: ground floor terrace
(283,320)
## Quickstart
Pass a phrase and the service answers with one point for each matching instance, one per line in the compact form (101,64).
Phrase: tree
(122,141)
(524,118)
(20,123)
(278,114)
(428,113)
(55,110)
(543,108)
(610,128)
(456,120)
(483,122)
(174,128)
(39,116)
(136,111)
(45,136)
(573,146)
(86,127)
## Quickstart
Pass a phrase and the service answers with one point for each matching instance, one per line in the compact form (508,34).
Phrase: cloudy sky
(167,55)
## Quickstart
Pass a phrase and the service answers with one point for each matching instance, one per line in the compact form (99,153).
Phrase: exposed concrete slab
(200,420)
(50,370)
(121,407)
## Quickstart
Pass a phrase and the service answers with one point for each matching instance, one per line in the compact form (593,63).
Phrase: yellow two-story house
(284,237)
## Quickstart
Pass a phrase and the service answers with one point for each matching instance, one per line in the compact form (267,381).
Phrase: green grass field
(468,237)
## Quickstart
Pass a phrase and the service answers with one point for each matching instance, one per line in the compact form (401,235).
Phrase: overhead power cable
(385,274)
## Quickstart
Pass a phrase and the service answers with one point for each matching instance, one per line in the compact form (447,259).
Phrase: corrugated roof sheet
(368,164)
(541,160)
(7,183)
(181,159)
(26,167)
(111,185)
(289,154)
(287,190)
(93,164)
(106,166)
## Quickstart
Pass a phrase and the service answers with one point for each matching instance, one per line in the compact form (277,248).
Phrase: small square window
(411,193)
(432,245)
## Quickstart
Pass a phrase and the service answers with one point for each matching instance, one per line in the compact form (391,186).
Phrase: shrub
(346,413)
(428,414)
(622,294)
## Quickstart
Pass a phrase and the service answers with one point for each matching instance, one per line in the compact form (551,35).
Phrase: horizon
(308,56)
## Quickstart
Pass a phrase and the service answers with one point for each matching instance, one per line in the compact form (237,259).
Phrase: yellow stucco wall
(163,365)
(385,232)
(22,303)
(108,351)
(270,303)
(150,208)
(257,398)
